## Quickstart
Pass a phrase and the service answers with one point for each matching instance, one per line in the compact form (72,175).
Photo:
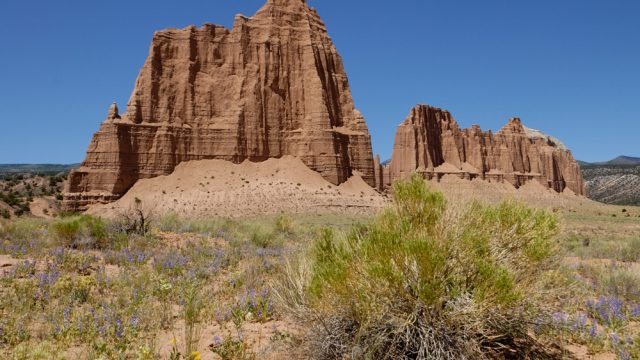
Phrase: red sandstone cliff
(272,86)
(431,142)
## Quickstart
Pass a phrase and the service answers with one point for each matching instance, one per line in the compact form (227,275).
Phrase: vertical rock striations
(272,86)
(431,142)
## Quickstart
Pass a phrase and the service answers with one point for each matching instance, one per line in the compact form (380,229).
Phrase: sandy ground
(7,263)
(533,193)
(212,188)
(45,208)
(216,188)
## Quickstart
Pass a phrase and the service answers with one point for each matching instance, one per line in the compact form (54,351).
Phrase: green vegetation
(427,280)
(43,169)
(84,284)
(18,190)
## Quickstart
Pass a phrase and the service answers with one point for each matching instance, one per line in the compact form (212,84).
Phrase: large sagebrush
(429,280)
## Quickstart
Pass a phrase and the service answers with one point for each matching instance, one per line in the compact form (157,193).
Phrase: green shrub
(80,231)
(261,238)
(66,231)
(284,224)
(431,281)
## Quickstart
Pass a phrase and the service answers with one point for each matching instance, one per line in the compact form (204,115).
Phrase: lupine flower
(615,340)
(594,329)
(624,354)
(119,331)
(134,321)
(217,341)
(65,315)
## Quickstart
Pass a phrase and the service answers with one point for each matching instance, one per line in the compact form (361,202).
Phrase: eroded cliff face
(431,142)
(272,86)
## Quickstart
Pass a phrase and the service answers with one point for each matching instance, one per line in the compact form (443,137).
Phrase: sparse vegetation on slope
(613,184)
(17,192)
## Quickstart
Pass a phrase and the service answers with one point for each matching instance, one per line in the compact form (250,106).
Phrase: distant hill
(613,182)
(620,160)
(624,160)
(7,169)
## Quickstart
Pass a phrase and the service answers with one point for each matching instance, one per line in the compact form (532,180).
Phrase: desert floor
(90,291)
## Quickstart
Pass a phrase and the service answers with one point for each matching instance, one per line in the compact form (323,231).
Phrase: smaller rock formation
(430,142)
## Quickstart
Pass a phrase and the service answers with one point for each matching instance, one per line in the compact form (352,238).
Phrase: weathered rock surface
(431,142)
(272,86)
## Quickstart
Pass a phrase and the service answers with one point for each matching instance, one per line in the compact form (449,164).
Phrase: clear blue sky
(570,68)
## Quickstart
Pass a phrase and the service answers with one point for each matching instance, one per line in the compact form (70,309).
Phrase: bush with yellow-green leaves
(428,280)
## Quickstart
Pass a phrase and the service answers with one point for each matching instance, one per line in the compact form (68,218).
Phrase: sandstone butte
(275,86)
(272,86)
(430,141)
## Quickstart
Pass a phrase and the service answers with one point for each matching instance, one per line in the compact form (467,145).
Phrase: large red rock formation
(272,86)
(431,142)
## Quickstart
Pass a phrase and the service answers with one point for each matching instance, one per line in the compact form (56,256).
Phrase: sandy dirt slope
(532,193)
(4,206)
(216,188)
(45,208)
(219,188)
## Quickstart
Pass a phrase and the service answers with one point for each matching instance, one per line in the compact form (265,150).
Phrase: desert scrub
(22,236)
(284,224)
(231,349)
(625,249)
(80,231)
(427,280)
(37,351)
(630,251)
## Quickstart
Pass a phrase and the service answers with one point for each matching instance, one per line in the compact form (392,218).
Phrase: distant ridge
(36,168)
(620,160)
(624,160)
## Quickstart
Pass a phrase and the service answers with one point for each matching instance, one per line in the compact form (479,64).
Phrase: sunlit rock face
(272,86)
(431,142)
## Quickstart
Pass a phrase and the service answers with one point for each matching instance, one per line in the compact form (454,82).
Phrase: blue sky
(570,68)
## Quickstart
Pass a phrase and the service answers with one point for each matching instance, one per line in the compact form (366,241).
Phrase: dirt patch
(45,208)
(7,264)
